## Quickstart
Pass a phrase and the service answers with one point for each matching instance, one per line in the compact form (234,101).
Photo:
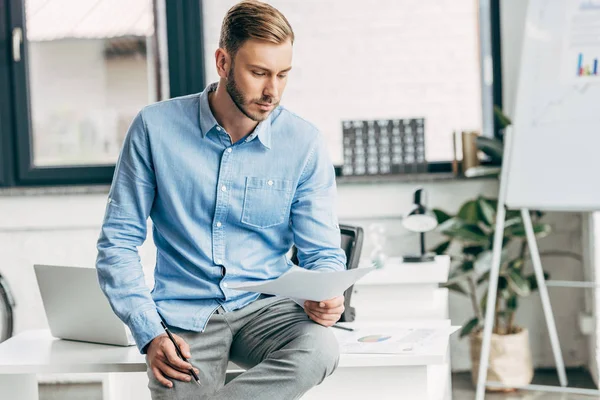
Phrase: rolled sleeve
(120,272)
(313,214)
(145,326)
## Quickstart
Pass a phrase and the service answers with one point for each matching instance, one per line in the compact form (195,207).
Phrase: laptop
(76,307)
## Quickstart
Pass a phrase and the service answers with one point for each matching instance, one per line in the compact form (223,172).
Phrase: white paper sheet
(302,284)
(391,339)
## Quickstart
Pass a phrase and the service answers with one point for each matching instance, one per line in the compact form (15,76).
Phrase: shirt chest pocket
(266,201)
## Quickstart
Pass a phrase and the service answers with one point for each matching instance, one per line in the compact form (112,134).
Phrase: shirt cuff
(144,327)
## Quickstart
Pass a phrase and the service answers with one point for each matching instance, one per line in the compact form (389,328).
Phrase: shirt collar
(208,121)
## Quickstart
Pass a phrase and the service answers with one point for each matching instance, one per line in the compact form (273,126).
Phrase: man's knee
(323,354)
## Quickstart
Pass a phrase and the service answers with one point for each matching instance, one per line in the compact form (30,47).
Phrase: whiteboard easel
(493,292)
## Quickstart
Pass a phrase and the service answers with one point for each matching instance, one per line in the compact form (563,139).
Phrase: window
(356,59)
(73,73)
(76,72)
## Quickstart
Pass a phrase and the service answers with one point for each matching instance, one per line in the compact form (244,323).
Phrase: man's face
(258,76)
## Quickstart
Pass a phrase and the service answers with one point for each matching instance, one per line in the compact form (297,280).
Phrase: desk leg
(19,386)
(406,382)
(125,386)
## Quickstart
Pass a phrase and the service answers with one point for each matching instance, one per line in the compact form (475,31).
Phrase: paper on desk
(300,283)
(390,340)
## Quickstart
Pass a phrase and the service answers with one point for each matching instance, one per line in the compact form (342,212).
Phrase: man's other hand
(326,312)
(164,361)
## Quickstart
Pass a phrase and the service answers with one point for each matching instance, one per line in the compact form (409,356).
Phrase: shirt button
(270,183)
(219,261)
(219,224)
(229,150)
(224,188)
(218,128)
(225,285)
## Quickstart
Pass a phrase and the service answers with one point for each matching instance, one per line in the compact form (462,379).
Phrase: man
(230,180)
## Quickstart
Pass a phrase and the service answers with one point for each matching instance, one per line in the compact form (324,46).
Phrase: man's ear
(223,63)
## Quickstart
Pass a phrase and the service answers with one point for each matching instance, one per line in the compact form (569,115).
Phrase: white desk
(357,377)
(403,291)
(406,291)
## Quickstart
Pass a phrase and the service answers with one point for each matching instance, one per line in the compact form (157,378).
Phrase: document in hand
(301,283)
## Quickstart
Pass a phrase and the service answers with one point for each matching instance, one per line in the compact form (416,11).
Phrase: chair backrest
(351,243)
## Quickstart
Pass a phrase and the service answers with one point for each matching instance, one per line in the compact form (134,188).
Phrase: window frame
(6,153)
(16,150)
(185,43)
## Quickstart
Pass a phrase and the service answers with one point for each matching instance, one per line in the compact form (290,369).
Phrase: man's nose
(271,90)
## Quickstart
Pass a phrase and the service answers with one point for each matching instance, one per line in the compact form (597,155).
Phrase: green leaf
(473,250)
(458,229)
(510,214)
(467,266)
(483,278)
(516,264)
(483,263)
(540,230)
(503,120)
(483,303)
(441,216)
(512,221)
(451,225)
(487,212)
(505,294)
(469,212)
(518,284)
(493,203)
(502,283)
(491,147)
(512,303)
(469,326)
(442,247)
(455,287)
(458,276)
(533,282)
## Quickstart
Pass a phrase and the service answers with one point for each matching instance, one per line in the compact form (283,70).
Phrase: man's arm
(314,219)
(120,272)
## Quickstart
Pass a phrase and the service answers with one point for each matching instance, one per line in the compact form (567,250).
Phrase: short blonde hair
(252,19)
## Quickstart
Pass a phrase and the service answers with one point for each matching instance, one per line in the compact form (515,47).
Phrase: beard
(241,102)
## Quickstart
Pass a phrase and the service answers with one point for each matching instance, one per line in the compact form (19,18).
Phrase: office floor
(461,384)
(462,388)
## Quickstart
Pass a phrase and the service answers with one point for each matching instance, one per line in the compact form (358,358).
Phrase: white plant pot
(510,359)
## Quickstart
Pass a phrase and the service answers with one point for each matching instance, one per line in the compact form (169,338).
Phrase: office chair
(352,241)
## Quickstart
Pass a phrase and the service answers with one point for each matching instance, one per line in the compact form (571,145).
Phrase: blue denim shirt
(221,213)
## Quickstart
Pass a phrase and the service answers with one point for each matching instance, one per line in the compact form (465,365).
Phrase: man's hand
(326,312)
(164,361)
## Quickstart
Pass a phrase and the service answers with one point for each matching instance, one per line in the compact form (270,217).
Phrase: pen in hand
(179,353)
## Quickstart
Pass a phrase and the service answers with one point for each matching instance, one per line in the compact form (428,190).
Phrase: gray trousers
(283,351)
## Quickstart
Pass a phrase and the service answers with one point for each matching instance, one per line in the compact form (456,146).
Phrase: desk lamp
(420,219)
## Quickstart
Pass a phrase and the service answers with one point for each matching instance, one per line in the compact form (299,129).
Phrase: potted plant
(472,229)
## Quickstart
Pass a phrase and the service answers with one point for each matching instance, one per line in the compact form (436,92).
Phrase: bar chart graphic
(587,66)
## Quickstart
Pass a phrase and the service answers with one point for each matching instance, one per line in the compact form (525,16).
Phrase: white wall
(355,59)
